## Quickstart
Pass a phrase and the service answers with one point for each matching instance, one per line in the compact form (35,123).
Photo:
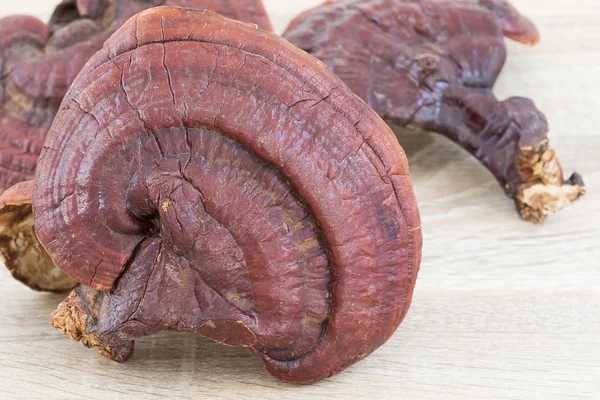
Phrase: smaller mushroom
(432,65)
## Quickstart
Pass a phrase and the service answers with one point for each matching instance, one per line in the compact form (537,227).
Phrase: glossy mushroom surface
(206,176)
(432,65)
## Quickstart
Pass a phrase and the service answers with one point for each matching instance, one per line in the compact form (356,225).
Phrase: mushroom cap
(217,179)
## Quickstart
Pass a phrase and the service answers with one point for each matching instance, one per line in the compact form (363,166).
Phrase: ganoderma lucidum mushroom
(432,65)
(206,176)
(38,63)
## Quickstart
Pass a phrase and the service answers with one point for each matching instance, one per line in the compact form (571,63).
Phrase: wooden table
(503,309)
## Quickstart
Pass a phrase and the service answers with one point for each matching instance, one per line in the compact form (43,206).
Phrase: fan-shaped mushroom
(37,65)
(206,176)
(431,65)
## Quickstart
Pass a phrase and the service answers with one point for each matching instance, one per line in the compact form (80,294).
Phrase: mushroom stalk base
(544,192)
(74,316)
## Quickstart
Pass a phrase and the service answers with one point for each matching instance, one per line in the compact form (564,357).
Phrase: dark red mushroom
(206,176)
(432,65)
(38,63)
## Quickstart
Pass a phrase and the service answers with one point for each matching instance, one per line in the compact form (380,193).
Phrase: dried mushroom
(38,63)
(206,176)
(431,65)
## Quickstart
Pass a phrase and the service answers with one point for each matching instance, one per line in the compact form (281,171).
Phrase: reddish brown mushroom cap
(221,181)
(432,65)
(38,63)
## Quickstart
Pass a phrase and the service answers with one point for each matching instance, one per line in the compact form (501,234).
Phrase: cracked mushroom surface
(38,63)
(431,65)
(206,176)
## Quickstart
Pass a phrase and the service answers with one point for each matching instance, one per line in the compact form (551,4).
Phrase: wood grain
(503,309)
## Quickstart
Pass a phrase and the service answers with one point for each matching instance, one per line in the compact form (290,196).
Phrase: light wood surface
(503,309)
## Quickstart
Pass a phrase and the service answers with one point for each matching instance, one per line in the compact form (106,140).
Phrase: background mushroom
(203,175)
(38,63)
(432,66)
